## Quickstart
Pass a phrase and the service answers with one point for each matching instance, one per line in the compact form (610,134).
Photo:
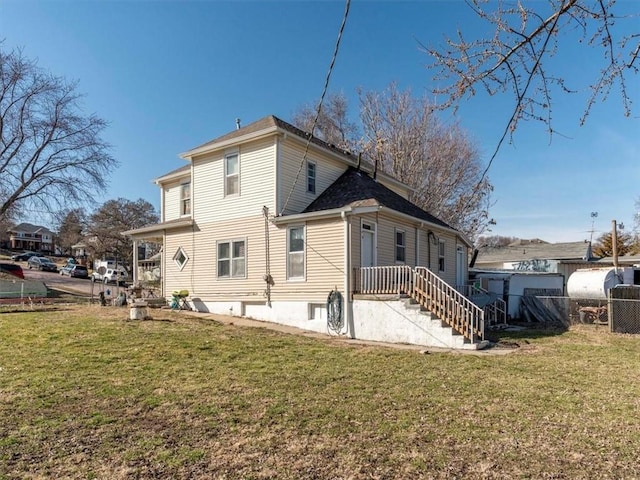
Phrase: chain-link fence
(620,313)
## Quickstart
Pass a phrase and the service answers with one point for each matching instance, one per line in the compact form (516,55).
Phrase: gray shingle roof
(535,251)
(356,188)
(29,228)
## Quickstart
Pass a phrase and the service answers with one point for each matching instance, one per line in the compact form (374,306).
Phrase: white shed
(513,285)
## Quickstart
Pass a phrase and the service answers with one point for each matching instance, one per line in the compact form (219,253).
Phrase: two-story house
(267,221)
(31,237)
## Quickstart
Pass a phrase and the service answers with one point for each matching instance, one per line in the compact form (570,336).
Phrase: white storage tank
(593,282)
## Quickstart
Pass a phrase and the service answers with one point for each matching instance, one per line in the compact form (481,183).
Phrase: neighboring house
(252,226)
(537,256)
(26,236)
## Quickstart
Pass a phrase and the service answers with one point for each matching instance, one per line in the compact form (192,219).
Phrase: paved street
(74,285)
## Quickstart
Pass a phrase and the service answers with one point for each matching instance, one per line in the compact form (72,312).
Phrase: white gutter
(226,143)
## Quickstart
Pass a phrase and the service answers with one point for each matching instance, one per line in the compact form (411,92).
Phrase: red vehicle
(12,268)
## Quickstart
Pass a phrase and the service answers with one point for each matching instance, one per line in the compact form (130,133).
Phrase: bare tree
(333,124)
(51,154)
(495,241)
(403,137)
(107,223)
(604,245)
(518,56)
(403,134)
(70,229)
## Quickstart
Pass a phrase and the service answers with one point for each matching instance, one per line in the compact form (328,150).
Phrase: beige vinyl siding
(257,183)
(400,190)
(324,262)
(323,257)
(356,236)
(428,250)
(449,275)
(172,200)
(387,241)
(174,278)
(290,155)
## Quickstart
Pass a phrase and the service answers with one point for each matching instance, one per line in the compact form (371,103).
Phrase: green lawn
(85,394)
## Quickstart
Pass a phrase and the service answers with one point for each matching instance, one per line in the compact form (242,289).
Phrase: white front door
(368,244)
(460,264)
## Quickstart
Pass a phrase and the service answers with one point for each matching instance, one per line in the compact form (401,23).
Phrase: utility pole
(614,244)
(594,215)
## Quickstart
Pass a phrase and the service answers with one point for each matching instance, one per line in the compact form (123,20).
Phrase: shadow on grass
(27,309)
(517,333)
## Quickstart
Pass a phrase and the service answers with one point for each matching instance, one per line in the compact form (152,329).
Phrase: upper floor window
(232,174)
(441,251)
(400,246)
(185,199)
(311,177)
(295,253)
(232,259)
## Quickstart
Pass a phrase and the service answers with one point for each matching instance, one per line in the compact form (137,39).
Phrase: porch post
(134,268)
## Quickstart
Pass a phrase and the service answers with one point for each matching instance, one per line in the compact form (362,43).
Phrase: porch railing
(495,312)
(392,280)
(428,290)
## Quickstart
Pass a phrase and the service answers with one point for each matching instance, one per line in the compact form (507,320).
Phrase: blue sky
(168,76)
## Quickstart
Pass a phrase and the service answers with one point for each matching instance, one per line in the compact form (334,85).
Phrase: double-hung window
(231,174)
(311,177)
(441,251)
(295,253)
(185,199)
(400,246)
(232,259)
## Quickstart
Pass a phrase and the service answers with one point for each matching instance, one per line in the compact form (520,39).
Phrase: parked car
(23,257)
(42,263)
(12,268)
(76,271)
(110,275)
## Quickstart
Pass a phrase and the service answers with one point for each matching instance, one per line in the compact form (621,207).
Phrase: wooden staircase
(429,291)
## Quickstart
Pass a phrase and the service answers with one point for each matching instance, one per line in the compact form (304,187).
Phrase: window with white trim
(232,259)
(185,199)
(295,252)
(231,174)
(180,258)
(400,246)
(311,177)
(441,251)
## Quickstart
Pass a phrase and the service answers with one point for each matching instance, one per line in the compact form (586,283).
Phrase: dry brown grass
(86,394)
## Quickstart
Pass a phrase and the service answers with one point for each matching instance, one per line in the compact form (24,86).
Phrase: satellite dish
(102,270)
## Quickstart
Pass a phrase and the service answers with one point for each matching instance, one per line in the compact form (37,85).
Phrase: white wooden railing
(428,290)
(495,312)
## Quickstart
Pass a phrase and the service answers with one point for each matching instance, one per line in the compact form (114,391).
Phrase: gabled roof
(264,124)
(355,188)
(178,172)
(535,251)
(29,228)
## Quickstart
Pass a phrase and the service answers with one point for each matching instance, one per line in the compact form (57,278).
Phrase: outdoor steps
(458,339)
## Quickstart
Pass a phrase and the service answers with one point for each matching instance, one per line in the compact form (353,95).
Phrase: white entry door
(368,244)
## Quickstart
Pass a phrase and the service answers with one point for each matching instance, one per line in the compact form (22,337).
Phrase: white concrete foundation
(390,320)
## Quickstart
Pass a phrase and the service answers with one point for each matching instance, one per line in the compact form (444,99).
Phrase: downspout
(417,259)
(348,316)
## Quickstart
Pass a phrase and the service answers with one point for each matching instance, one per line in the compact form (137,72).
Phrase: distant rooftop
(535,250)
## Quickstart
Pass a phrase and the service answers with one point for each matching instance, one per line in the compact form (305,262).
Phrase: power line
(319,107)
